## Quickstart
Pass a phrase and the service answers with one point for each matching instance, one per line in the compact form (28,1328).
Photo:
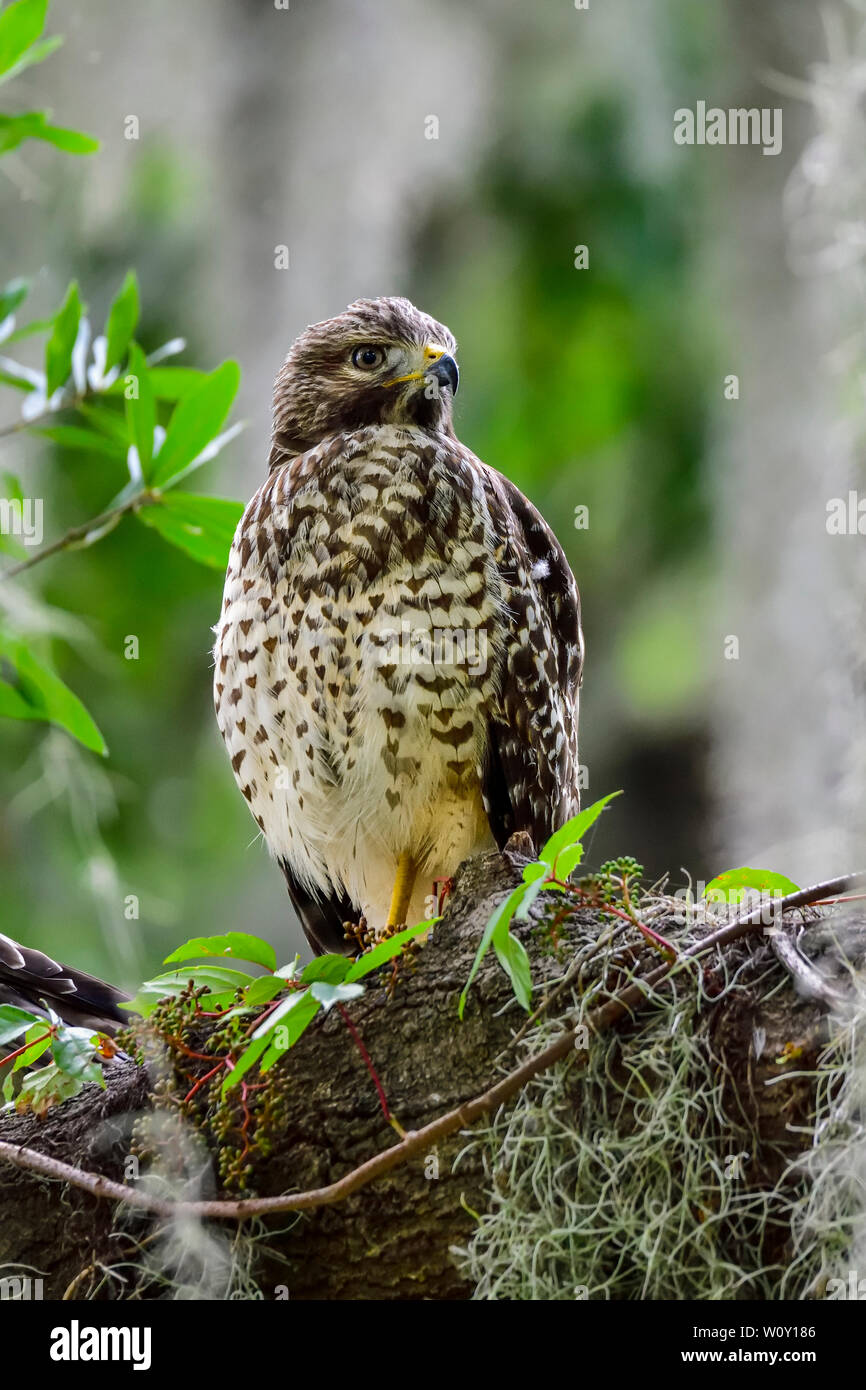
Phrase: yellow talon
(404,882)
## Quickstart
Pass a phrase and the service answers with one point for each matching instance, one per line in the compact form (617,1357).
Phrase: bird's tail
(31,980)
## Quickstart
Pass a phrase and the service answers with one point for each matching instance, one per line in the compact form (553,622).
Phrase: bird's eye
(368,357)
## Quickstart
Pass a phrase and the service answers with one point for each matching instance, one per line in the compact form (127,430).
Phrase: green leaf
(217,979)
(512,956)
(499,922)
(109,422)
(37,53)
(14,1022)
(287,1007)
(532,891)
(196,419)
(13,705)
(70,141)
(58,349)
(234,943)
(291,1029)
(88,441)
(18,382)
(292,1017)
(567,861)
(34,125)
(39,694)
(9,545)
(386,950)
(38,1041)
(20,377)
(330,967)
(174,383)
(733,885)
(20,26)
(122,320)
(169,383)
(74,1051)
(202,526)
(10,488)
(11,295)
(263,990)
(574,830)
(45,1087)
(214,977)
(329,995)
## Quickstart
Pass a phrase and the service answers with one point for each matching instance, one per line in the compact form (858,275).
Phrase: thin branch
(9,430)
(76,400)
(76,534)
(810,982)
(422,1140)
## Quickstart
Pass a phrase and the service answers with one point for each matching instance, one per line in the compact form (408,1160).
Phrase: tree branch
(419,1141)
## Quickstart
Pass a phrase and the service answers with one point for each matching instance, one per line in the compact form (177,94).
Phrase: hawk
(399,656)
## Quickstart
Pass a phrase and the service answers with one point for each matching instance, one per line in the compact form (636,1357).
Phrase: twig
(422,1140)
(74,402)
(76,534)
(18,425)
(79,1279)
(811,982)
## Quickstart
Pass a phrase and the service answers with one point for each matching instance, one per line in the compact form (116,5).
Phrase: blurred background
(459,153)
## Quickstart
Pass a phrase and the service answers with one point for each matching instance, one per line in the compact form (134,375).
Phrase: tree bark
(393,1238)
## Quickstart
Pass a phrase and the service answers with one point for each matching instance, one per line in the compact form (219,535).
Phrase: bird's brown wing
(31,980)
(531,779)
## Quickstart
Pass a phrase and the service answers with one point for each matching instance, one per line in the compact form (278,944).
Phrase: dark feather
(323,920)
(31,980)
(531,778)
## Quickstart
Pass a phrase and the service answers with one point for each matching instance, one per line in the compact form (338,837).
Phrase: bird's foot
(520,842)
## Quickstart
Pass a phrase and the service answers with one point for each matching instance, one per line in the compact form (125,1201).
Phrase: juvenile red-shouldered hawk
(399,654)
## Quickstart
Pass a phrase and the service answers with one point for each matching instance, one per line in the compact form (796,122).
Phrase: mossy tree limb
(393,1239)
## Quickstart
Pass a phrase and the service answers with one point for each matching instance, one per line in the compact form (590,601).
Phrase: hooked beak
(440,365)
(444,370)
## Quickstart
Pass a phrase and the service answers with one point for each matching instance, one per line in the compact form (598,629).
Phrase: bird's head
(382,361)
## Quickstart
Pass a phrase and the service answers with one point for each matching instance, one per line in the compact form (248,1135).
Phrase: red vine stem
(368,1063)
(10,1056)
